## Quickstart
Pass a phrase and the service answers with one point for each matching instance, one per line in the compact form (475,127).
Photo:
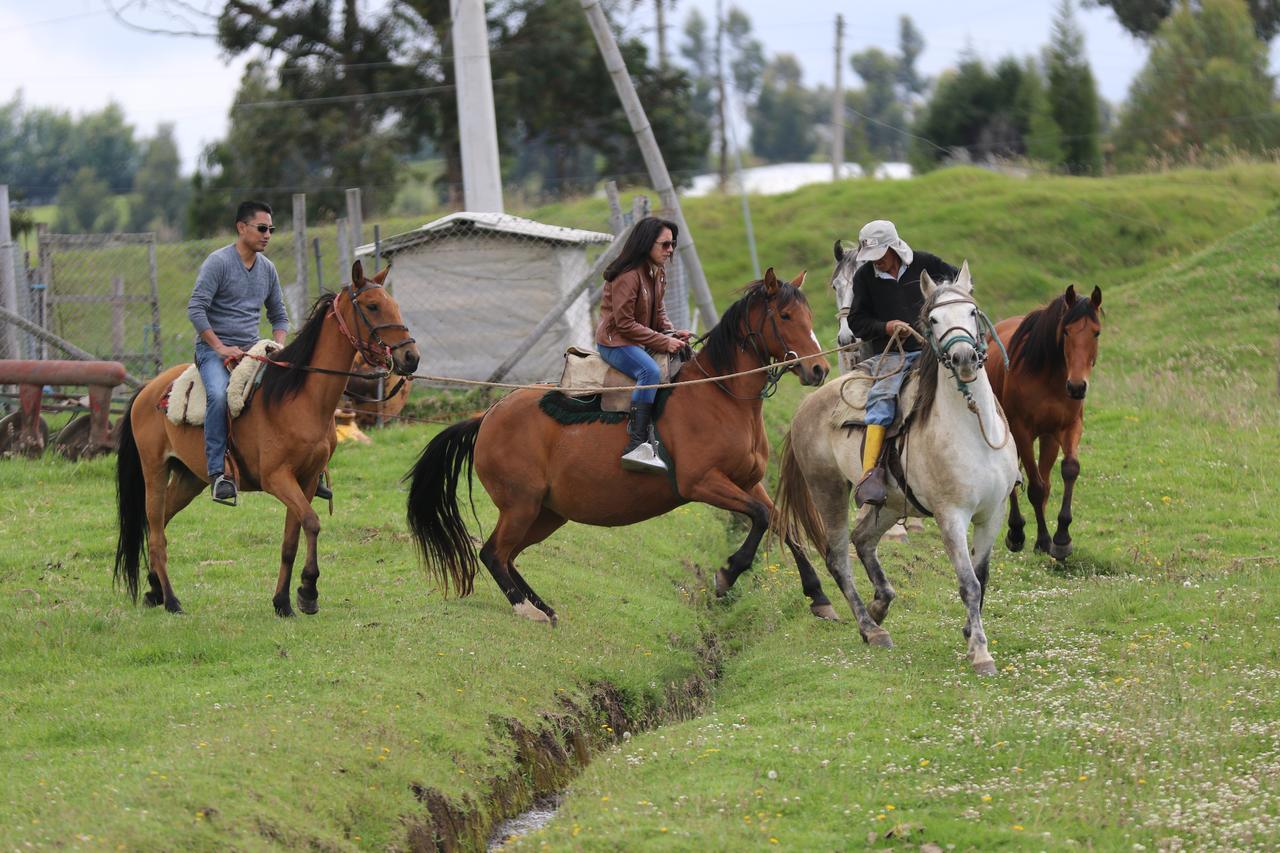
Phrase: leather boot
(640,453)
(871,488)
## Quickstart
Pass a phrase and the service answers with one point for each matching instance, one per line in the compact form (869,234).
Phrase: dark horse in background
(542,473)
(1052,351)
(280,443)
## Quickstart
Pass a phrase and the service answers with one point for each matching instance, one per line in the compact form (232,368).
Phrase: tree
(1143,18)
(891,86)
(1044,138)
(1073,95)
(159,193)
(976,111)
(85,205)
(784,114)
(1205,88)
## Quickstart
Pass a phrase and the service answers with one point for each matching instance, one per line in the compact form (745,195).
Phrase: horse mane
(926,368)
(1036,345)
(730,333)
(279,383)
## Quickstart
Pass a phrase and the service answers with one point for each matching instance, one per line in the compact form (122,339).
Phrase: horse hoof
(1060,552)
(824,611)
(878,610)
(879,637)
(722,583)
(985,667)
(309,606)
(174,607)
(1015,545)
(151,599)
(528,611)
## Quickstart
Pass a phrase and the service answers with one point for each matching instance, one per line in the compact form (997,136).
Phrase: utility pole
(660,12)
(477,126)
(652,155)
(720,89)
(837,106)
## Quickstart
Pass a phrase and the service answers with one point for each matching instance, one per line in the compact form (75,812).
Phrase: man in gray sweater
(233,286)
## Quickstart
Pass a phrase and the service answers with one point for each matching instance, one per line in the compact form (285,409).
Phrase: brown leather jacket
(631,309)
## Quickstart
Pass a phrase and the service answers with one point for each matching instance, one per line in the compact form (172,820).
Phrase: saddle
(850,409)
(185,400)
(585,368)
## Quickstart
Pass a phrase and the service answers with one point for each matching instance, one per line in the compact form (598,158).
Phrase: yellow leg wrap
(871,450)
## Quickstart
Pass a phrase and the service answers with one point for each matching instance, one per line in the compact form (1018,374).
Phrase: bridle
(755,337)
(376,351)
(941,346)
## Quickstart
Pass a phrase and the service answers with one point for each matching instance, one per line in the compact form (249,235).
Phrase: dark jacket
(631,309)
(878,300)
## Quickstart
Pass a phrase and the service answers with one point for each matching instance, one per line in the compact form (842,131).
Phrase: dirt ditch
(549,757)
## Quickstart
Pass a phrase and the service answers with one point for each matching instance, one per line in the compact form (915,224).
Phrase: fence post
(298,297)
(355,220)
(344,251)
(315,244)
(153,268)
(117,317)
(377,249)
(8,280)
(41,287)
(615,207)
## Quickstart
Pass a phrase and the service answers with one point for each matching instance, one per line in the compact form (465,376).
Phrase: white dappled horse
(957,462)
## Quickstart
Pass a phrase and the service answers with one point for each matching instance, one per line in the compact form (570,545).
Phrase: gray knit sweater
(229,298)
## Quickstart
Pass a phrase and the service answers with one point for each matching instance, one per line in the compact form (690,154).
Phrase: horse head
(1078,332)
(371,319)
(954,326)
(842,276)
(785,322)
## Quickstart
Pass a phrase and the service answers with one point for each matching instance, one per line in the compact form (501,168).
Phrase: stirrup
(643,458)
(228,499)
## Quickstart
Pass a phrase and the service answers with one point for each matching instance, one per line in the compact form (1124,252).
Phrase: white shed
(472,285)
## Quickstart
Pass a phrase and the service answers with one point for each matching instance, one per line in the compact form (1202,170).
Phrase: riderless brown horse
(1052,351)
(541,473)
(280,443)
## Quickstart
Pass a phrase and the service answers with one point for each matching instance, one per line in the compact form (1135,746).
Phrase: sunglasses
(265,229)
(667,244)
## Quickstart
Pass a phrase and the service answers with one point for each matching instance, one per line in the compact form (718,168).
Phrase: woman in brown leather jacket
(633,322)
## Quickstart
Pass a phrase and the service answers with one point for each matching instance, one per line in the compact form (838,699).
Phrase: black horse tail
(433,515)
(131,499)
(794,505)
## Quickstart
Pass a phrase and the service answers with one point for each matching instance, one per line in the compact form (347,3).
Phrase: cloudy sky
(73,54)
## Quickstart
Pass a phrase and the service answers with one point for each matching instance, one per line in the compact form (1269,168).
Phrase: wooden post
(298,295)
(8,280)
(117,317)
(377,249)
(315,244)
(344,251)
(615,206)
(355,219)
(153,272)
(649,150)
(46,280)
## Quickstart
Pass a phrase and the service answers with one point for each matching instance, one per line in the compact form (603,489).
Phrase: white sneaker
(643,458)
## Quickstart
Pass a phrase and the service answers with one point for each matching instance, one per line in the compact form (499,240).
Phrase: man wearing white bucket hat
(886,303)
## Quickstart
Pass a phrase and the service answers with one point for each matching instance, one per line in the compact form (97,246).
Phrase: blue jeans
(214,376)
(636,363)
(882,399)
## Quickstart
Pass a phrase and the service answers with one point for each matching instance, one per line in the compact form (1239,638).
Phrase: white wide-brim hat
(878,237)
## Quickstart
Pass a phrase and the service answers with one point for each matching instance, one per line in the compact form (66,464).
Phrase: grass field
(1139,692)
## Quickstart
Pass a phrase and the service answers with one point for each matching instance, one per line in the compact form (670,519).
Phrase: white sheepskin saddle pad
(186,397)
